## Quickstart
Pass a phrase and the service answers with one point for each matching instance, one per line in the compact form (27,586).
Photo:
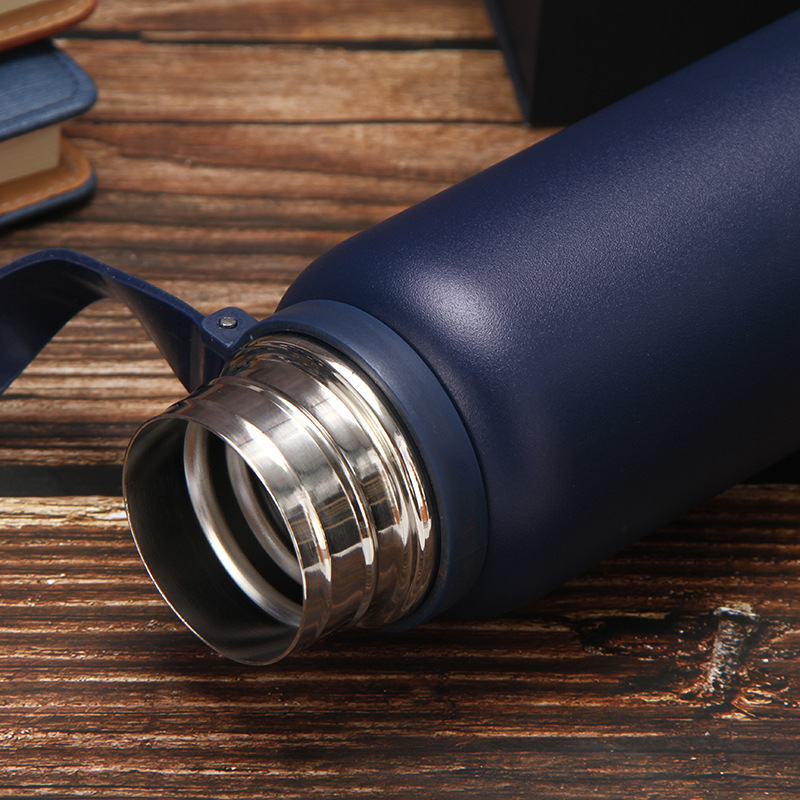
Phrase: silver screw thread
(281,502)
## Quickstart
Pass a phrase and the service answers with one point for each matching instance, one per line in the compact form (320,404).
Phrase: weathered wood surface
(234,142)
(401,22)
(672,670)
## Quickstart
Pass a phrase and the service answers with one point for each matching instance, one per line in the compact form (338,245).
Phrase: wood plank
(604,684)
(145,82)
(394,162)
(295,20)
(284,191)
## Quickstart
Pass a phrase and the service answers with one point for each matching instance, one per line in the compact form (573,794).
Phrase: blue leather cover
(615,312)
(40,85)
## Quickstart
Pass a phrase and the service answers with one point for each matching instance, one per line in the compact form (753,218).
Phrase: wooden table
(235,141)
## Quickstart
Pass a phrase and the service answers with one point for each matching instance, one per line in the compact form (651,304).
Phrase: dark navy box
(569,58)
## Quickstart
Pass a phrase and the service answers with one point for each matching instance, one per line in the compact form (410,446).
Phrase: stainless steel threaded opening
(281,502)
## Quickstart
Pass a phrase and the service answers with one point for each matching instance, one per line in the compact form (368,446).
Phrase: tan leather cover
(73,172)
(41,19)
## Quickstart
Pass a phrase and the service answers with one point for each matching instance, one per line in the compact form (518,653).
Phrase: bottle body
(613,313)
(463,407)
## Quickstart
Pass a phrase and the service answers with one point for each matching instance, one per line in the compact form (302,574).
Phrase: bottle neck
(281,502)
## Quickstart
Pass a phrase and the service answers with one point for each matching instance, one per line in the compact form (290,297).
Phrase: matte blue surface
(40,293)
(615,312)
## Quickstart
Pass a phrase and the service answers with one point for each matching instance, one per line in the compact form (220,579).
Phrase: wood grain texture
(234,142)
(355,21)
(293,83)
(606,688)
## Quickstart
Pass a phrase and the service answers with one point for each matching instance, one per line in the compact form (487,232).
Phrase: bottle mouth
(281,502)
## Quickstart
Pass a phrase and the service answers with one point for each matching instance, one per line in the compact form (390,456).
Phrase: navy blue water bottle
(459,409)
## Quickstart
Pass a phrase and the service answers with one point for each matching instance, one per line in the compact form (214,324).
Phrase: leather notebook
(22,21)
(40,87)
